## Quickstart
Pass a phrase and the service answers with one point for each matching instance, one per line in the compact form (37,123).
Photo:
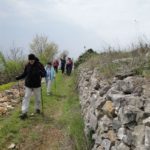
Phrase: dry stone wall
(116,112)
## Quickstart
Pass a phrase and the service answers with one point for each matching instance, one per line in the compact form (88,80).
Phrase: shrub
(84,57)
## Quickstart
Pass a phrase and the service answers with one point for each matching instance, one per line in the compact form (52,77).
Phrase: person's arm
(23,75)
(53,73)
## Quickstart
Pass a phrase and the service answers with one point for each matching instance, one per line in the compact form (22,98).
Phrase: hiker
(69,65)
(33,73)
(63,63)
(50,76)
(55,65)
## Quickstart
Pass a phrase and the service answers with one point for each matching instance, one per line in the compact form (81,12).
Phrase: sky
(74,25)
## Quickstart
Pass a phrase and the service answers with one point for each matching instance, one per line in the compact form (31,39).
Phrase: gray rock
(147,136)
(106,144)
(116,124)
(125,86)
(105,123)
(142,147)
(93,122)
(138,135)
(147,121)
(129,114)
(121,133)
(128,138)
(118,99)
(122,146)
(104,90)
(138,102)
(147,108)
(97,139)
(113,148)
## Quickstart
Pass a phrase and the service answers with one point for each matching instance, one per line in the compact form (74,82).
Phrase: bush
(13,68)
(84,57)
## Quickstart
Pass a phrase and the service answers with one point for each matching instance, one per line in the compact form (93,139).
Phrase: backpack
(42,70)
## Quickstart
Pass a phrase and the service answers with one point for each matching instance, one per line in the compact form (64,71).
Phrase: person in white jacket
(50,76)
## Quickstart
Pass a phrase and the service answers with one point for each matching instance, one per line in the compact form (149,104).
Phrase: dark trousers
(56,68)
(63,69)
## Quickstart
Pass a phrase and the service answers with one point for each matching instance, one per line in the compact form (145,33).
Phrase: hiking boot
(38,111)
(23,116)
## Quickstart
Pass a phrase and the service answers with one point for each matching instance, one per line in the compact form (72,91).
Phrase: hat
(49,63)
(31,57)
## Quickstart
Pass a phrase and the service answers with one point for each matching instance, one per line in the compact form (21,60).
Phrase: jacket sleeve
(23,75)
(53,74)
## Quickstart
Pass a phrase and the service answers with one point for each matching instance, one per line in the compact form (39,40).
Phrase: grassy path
(61,127)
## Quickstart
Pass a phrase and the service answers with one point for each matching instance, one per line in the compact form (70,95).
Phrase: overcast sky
(73,24)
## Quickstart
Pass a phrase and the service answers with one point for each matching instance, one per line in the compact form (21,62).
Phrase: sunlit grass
(6,86)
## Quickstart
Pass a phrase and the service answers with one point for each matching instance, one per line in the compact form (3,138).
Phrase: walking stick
(19,91)
(56,94)
(42,102)
(55,84)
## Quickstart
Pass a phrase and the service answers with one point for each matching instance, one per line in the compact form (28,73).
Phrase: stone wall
(116,112)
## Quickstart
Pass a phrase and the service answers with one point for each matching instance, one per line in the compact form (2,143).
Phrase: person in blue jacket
(50,76)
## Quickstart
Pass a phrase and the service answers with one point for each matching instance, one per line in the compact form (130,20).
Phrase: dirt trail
(51,138)
(48,134)
(58,129)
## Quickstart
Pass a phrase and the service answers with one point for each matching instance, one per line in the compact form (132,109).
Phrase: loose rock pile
(10,98)
(116,112)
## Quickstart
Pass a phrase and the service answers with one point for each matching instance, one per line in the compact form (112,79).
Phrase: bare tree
(16,54)
(43,49)
(39,44)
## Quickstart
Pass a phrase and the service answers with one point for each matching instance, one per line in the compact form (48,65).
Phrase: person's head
(31,58)
(49,64)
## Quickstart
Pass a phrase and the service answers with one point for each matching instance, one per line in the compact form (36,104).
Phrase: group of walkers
(33,73)
(66,65)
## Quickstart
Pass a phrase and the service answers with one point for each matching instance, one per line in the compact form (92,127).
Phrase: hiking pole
(42,102)
(19,91)
(56,94)
(55,84)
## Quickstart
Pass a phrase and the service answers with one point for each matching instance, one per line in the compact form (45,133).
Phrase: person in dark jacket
(33,73)
(69,65)
(63,64)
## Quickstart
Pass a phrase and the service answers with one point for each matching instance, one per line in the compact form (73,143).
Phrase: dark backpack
(42,70)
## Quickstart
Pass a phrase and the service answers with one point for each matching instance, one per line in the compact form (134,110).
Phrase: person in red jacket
(55,65)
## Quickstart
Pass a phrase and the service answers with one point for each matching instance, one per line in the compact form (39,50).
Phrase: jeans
(26,99)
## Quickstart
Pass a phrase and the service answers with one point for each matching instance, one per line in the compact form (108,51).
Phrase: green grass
(72,116)
(63,104)
(6,86)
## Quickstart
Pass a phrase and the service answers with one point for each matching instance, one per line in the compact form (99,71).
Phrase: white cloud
(110,21)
